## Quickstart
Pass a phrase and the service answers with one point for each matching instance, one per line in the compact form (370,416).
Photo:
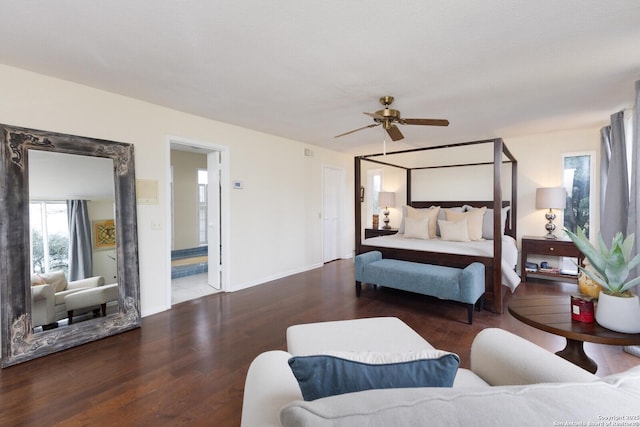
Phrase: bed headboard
(509,228)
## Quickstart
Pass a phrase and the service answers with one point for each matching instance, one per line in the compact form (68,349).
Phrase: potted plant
(618,308)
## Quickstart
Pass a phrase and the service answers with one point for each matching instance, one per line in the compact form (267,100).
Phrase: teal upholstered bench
(465,285)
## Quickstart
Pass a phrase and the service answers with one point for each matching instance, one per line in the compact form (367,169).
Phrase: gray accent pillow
(324,375)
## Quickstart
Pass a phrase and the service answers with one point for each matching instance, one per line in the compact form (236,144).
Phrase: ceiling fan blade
(375,116)
(395,133)
(356,130)
(425,122)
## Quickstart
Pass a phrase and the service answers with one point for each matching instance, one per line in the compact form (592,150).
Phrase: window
(374,185)
(579,182)
(49,236)
(203,179)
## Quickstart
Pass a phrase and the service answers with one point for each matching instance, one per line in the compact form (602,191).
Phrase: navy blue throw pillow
(324,375)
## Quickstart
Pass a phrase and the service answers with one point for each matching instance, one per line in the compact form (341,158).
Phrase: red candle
(582,308)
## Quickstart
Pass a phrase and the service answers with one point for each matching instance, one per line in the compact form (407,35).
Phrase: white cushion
(442,215)
(379,357)
(530,405)
(384,334)
(90,297)
(467,378)
(56,279)
(535,364)
(474,221)
(431,213)
(270,385)
(416,228)
(454,231)
(487,221)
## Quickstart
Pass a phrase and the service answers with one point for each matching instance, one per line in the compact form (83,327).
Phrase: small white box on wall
(147,191)
(237,185)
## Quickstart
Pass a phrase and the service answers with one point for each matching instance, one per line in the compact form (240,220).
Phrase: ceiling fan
(389,117)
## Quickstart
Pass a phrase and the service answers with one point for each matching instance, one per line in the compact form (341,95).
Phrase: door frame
(225,209)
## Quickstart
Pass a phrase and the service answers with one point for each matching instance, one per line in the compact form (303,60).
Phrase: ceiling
(308,70)
(62,176)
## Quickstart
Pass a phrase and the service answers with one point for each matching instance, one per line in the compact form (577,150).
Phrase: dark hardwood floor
(187,366)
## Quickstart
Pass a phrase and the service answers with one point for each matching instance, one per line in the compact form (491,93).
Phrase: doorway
(332,213)
(198,212)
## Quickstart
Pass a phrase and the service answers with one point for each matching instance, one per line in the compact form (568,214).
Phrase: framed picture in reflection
(104,234)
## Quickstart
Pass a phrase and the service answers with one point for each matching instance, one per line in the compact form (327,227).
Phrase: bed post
(408,187)
(357,205)
(514,192)
(497,220)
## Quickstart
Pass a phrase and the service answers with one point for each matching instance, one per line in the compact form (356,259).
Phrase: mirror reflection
(73,262)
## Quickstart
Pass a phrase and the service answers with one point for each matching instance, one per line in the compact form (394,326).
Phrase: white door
(332,213)
(213,219)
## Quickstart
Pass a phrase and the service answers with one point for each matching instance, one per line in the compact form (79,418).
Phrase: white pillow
(454,231)
(431,213)
(487,225)
(474,221)
(416,228)
(379,358)
(443,215)
(404,215)
(57,279)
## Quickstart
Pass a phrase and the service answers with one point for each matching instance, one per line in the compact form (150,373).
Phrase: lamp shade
(387,199)
(550,198)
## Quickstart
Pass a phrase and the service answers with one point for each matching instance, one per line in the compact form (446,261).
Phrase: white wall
(275,224)
(540,165)
(185,197)
(104,261)
(394,180)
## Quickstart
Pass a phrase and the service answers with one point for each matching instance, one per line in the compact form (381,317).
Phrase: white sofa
(42,305)
(48,292)
(511,382)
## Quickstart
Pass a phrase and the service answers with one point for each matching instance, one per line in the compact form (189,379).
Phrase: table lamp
(550,198)
(388,200)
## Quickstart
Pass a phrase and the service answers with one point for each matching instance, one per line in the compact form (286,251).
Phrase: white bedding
(478,248)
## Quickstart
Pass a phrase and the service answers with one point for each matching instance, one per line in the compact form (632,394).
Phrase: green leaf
(598,261)
(617,270)
(630,284)
(595,277)
(627,246)
(602,246)
(634,262)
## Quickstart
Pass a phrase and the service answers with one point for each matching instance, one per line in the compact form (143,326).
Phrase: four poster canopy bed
(444,246)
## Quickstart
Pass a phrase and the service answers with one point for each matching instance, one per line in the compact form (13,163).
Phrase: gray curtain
(80,254)
(605,157)
(616,194)
(633,225)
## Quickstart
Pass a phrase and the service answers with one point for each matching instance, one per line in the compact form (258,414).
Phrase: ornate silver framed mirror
(23,340)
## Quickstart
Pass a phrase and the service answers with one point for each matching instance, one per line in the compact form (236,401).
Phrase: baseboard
(155,310)
(274,277)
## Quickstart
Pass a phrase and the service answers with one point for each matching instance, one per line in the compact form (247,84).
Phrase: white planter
(619,314)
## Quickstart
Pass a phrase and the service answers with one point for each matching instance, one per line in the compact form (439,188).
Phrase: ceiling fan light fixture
(388,117)
(386,100)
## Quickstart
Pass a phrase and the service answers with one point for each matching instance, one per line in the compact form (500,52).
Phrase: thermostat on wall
(238,185)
